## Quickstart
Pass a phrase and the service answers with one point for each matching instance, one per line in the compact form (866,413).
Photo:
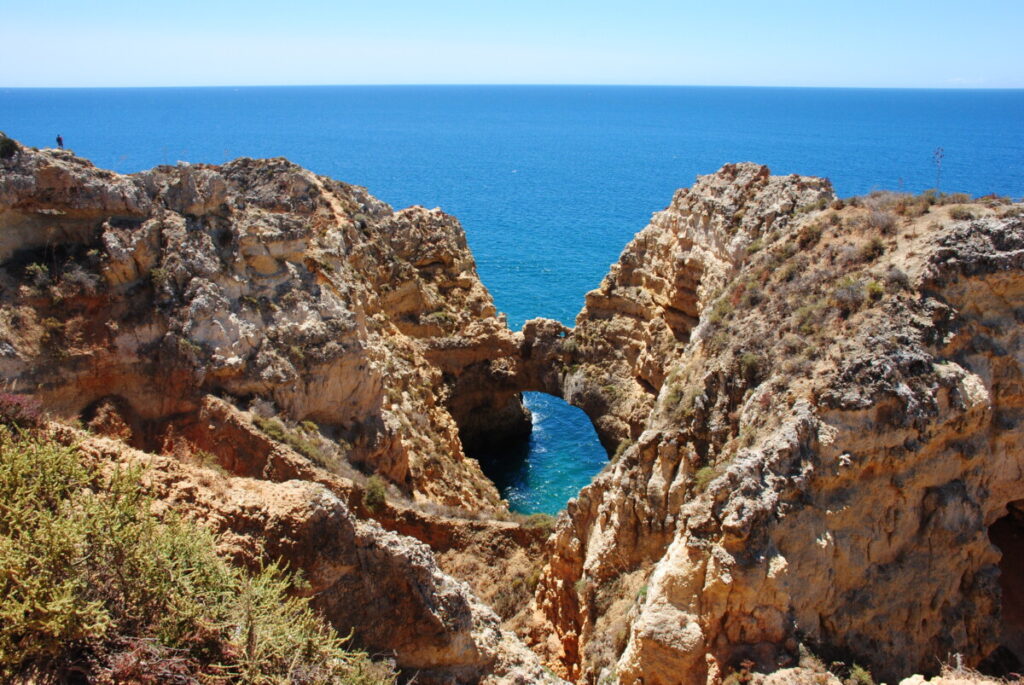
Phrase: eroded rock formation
(813,409)
(829,402)
(264,283)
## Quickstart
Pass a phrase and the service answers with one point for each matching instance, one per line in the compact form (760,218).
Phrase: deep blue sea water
(550,182)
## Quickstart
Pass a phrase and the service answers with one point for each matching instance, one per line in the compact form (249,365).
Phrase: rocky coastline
(812,408)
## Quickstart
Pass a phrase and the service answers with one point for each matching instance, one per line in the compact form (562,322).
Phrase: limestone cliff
(813,408)
(265,284)
(267,338)
(822,405)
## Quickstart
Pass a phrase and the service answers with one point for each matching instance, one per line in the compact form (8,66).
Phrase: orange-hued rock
(822,410)
(814,409)
(263,283)
(639,320)
(383,587)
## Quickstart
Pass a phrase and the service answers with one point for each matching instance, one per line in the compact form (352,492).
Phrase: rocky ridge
(263,283)
(265,338)
(813,409)
(821,412)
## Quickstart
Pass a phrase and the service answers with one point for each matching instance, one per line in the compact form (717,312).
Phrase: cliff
(821,408)
(260,282)
(812,408)
(265,339)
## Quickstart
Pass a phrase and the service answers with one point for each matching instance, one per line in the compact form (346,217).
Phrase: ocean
(550,182)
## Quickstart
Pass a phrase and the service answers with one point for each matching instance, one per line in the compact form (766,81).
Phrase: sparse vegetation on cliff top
(92,581)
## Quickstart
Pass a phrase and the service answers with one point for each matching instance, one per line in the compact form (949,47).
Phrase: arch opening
(1008,535)
(541,471)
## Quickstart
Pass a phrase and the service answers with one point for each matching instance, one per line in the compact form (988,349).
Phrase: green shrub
(721,311)
(821,203)
(376,493)
(438,318)
(954,198)
(542,522)
(808,316)
(789,270)
(703,478)
(961,214)
(159,277)
(750,364)
(875,290)
(39,274)
(8,147)
(91,576)
(512,596)
(752,295)
(861,676)
(298,441)
(872,250)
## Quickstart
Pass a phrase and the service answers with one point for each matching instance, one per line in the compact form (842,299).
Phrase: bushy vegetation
(515,594)
(298,440)
(542,522)
(375,493)
(703,477)
(91,580)
(961,214)
(8,147)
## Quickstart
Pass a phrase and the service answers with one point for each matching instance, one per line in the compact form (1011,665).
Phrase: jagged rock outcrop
(261,282)
(614,362)
(829,404)
(155,308)
(814,409)
(385,586)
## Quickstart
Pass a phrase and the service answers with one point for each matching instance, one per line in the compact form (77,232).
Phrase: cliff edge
(819,409)
(813,410)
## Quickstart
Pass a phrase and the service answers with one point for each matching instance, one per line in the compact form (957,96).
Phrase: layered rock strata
(822,408)
(813,407)
(266,284)
(157,308)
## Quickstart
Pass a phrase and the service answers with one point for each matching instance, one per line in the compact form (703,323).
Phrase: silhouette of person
(60,142)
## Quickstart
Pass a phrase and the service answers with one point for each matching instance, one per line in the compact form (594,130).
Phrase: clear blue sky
(884,43)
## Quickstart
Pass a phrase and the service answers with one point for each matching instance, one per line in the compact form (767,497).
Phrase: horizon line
(514,85)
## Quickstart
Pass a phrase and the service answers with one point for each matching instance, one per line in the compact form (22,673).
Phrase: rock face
(156,308)
(386,586)
(260,282)
(825,409)
(814,410)
(639,320)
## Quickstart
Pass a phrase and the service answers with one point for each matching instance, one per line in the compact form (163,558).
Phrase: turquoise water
(561,456)
(550,182)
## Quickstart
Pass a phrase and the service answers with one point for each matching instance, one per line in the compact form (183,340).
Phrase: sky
(869,43)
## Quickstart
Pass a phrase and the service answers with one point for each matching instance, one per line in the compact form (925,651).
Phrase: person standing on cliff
(60,142)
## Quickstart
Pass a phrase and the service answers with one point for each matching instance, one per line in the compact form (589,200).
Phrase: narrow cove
(543,472)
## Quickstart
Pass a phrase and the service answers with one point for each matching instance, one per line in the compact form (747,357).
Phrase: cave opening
(1008,535)
(540,472)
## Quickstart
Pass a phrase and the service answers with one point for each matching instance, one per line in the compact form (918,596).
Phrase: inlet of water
(561,456)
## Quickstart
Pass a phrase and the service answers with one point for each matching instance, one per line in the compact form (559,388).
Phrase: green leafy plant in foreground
(91,580)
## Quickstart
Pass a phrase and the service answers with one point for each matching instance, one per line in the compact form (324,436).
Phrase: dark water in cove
(550,182)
